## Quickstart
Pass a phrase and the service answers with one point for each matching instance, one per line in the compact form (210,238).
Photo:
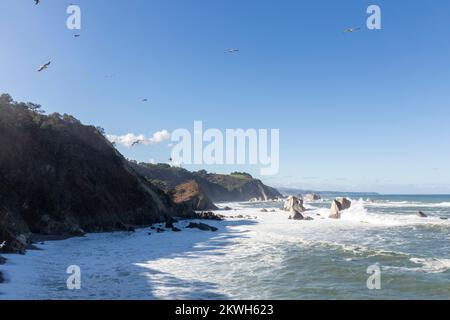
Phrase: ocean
(256,255)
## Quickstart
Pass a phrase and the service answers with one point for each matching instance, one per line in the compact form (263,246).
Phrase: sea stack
(295,207)
(338,206)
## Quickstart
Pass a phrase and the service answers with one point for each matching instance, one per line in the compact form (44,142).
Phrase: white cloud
(130,139)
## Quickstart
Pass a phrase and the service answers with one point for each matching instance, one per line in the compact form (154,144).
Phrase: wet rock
(263,210)
(169,222)
(210,216)
(227,209)
(420,214)
(296,216)
(175,229)
(339,205)
(201,226)
(159,230)
(444,218)
(125,227)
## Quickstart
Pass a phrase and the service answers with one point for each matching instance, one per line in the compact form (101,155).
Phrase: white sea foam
(228,264)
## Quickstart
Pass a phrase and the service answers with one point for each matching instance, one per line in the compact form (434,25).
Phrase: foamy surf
(270,257)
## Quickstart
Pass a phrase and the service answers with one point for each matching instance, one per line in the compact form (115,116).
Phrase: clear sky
(362,111)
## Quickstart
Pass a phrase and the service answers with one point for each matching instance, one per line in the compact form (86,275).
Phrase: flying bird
(144,100)
(3,244)
(36,2)
(44,66)
(350,30)
(232,51)
(135,143)
(77,35)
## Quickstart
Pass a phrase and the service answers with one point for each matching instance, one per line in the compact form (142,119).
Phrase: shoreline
(246,258)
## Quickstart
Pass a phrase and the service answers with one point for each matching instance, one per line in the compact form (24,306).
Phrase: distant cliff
(59,177)
(217,187)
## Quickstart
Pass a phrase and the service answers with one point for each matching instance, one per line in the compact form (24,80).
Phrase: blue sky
(367,111)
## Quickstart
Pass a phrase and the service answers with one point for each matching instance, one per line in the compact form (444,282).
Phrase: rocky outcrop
(191,194)
(295,207)
(60,177)
(310,197)
(420,214)
(338,206)
(294,203)
(201,226)
(209,216)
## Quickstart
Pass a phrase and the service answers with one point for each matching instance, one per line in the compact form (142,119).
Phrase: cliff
(60,177)
(217,187)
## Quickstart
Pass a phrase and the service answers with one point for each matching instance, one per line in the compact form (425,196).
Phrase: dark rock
(124,227)
(201,226)
(169,222)
(420,214)
(175,229)
(159,230)
(210,216)
(444,218)
(263,210)
(227,209)
(296,216)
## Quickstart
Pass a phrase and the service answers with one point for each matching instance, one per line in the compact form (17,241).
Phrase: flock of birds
(231,51)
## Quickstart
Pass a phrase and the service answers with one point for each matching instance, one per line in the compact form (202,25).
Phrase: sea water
(255,255)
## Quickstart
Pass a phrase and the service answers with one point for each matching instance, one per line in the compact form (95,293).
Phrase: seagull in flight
(145,100)
(350,30)
(232,51)
(135,143)
(77,35)
(36,2)
(44,66)
(3,244)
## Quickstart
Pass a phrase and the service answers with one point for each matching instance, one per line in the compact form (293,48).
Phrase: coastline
(270,257)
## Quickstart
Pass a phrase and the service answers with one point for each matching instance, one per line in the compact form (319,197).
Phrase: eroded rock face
(191,194)
(294,204)
(339,205)
(295,207)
